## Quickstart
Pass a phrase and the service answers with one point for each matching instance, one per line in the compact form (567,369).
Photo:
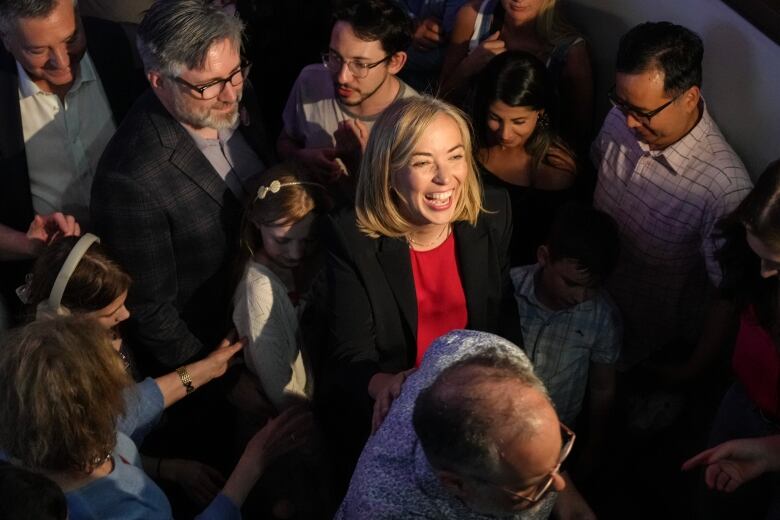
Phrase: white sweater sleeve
(265,315)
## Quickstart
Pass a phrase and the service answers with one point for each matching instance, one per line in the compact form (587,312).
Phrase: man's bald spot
(511,406)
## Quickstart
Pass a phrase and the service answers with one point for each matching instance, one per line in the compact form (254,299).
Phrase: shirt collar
(676,156)
(223,136)
(524,280)
(85,74)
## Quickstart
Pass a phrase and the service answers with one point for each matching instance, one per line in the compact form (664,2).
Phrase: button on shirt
(64,139)
(666,204)
(561,344)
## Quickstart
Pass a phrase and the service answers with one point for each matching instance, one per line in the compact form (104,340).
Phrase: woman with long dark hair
(518,148)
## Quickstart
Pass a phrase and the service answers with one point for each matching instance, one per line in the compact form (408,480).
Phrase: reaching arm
(351,323)
(16,245)
(211,367)
(286,432)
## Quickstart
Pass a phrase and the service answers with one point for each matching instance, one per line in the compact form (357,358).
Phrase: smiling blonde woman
(423,252)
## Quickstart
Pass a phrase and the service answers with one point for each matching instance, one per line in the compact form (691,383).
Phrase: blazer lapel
(15,200)
(472,246)
(393,256)
(186,156)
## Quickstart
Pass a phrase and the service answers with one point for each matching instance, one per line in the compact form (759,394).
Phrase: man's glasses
(359,69)
(541,490)
(214,88)
(643,116)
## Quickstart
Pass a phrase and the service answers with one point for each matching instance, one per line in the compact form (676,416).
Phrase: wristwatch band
(186,379)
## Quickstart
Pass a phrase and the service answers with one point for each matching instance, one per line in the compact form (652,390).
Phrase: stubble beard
(198,117)
(362,97)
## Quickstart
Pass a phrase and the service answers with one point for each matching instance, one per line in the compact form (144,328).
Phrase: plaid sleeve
(610,337)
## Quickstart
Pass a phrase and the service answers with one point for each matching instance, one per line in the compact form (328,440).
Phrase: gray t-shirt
(313,112)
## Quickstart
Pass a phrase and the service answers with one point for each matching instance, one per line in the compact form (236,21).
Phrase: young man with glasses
(667,175)
(333,105)
(473,434)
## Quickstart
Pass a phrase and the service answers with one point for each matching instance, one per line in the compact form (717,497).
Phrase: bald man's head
(487,425)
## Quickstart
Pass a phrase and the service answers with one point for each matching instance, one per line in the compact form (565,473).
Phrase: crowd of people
(402,292)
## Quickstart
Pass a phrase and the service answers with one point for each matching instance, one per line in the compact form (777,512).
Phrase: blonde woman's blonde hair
(551,26)
(389,150)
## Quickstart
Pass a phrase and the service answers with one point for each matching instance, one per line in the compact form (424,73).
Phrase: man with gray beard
(168,190)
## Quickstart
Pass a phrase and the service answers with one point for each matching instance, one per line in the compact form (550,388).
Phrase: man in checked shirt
(667,175)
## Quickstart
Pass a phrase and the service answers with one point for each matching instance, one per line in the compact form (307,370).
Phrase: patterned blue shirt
(562,344)
(393,479)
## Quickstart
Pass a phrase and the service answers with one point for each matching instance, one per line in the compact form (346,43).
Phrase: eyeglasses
(643,116)
(214,88)
(567,434)
(334,62)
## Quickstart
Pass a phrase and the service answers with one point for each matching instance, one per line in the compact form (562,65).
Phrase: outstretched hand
(731,464)
(200,482)
(289,430)
(219,358)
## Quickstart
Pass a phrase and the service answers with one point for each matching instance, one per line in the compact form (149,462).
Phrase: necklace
(435,241)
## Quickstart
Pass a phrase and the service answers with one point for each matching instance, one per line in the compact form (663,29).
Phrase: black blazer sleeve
(497,201)
(353,357)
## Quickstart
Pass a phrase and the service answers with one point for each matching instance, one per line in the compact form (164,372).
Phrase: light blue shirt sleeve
(144,405)
(221,508)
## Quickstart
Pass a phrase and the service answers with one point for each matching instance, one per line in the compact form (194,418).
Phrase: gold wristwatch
(186,379)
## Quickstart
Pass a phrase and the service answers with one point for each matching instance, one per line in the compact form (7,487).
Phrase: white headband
(71,262)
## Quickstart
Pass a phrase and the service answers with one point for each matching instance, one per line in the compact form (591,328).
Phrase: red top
(757,364)
(441,302)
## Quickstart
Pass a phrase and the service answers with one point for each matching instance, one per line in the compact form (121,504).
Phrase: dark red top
(756,362)
(441,302)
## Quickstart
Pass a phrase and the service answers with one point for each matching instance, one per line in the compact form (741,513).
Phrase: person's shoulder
(146,135)
(606,308)
(557,171)
(314,78)
(343,227)
(494,198)
(717,150)
(467,15)
(521,273)
(405,90)
(258,276)
(615,130)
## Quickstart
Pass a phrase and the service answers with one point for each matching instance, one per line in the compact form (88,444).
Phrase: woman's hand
(45,228)
(488,49)
(217,362)
(428,34)
(286,432)
(201,372)
(731,464)
(200,482)
(387,389)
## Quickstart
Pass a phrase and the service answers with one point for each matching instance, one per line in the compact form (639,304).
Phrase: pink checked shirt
(666,203)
